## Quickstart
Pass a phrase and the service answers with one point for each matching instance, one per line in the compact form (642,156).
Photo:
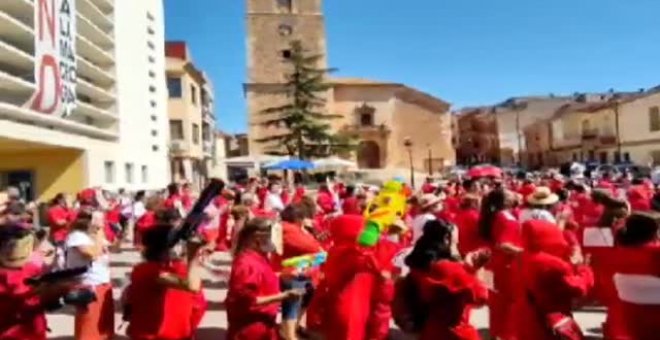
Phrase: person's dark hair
(57,199)
(83,221)
(432,246)
(155,242)
(492,203)
(139,195)
(11,231)
(121,191)
(640,228)
(168,216)
(637,181)
(253,227)
(293,213)
(309,206)
(172,189)
(350,190)
(563,195)
(468,184)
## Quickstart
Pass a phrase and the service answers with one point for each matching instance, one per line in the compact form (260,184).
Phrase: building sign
(55,57)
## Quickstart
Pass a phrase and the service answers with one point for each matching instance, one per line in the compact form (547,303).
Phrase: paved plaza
(214,325)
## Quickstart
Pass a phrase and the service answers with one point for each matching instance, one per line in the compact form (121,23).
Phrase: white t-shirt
(536,214)
(274,202)
(418,225)
(99,271)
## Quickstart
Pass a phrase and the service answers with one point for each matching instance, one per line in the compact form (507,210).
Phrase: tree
(305,129)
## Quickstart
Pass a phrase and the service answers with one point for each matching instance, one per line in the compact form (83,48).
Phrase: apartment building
(191,118)
(478,140)
(67,120)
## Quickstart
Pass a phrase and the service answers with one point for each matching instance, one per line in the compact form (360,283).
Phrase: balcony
(97,94)
(94,34)
(98,76)
(14,90)
(607,140)
(378,129)
(15,61)
(16,33)
(22,10)
(106,6)
(179,147)
(94,112)
(589,134)
(207,147)
(94,14)
(92,52)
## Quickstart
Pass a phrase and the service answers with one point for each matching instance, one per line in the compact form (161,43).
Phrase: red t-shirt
(469,238)
(23,318)
(251,277)
(57,214)
(157,311)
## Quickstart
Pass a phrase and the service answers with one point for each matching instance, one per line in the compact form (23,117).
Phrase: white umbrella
(334,163)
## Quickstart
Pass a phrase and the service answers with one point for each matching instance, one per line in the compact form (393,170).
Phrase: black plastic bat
(196,215)
(55,276)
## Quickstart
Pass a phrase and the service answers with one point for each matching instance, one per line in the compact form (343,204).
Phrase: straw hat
(542,196)
(429,200)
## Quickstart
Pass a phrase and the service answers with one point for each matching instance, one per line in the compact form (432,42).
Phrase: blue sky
(467,52)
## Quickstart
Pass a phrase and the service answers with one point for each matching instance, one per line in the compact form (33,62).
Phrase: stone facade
(478,140)
(379,115)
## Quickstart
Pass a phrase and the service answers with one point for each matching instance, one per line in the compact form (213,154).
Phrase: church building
(393,123)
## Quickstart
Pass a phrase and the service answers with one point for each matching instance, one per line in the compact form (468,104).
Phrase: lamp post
(430,160)
(409,144)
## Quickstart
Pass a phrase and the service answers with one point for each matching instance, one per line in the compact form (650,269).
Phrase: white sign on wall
(55,57)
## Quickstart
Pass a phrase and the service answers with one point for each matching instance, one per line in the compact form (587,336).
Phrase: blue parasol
(291,164)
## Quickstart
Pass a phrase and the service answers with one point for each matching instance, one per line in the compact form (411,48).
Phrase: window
(154,148)
(626,157)
(152,74)
(154,118)
(193,94)
(617,157)
(575,157)
(206,131)
(109,172)
(129,173)
(286,54)
(366,119)
(174,87)
(151,31)
(152,88)
(150,16)
(655,155)
(153,103)
(145,174)
(152,59)
(285,5)
(176,129)
(151,45)
(654,118)
(195,134)
(154,133)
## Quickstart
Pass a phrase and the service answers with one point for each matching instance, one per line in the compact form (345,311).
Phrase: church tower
(271,26)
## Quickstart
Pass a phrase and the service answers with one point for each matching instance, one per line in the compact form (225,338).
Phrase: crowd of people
(532,249)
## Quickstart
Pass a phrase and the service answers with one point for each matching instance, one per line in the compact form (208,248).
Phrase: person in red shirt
(501,229)
(428,187)
(160,301)
(59,218)
(173,199)
(254,294)
(325,200)
(351,204)
(467,221)
(296,242)
(639,196)
(148,219)
(550,284)
(23,307)
(446,287)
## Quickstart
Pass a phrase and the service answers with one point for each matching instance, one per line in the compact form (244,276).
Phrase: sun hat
(429,200)
(542,196)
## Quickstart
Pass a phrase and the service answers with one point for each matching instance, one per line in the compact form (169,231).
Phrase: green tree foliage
(304,127)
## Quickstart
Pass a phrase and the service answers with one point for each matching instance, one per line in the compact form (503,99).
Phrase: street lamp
(409,144)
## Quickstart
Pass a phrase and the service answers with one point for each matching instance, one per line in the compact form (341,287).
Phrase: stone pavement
(214,325)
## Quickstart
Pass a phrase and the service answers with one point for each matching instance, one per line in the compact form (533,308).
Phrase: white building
(98,120)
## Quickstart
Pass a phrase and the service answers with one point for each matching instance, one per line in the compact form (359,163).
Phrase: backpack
(408,310)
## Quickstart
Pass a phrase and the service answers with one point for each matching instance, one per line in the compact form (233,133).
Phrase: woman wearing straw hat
(539,204)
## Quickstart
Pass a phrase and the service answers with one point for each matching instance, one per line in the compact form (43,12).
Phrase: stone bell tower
(271,26)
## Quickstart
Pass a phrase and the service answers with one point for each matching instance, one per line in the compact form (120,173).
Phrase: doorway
(21,179)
